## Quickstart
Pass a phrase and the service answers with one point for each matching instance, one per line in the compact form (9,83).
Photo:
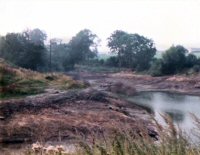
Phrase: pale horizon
(167,22)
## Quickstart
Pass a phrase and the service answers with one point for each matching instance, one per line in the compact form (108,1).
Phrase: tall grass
(171,141)
(18,81)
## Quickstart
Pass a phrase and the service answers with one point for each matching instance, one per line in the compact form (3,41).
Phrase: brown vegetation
(18,81)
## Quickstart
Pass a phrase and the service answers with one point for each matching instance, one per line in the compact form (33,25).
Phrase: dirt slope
(50,117)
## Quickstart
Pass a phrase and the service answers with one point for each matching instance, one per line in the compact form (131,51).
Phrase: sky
(167,22)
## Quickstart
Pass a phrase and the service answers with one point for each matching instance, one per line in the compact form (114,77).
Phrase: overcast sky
(167,22)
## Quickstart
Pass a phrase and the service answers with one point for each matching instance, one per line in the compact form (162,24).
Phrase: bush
(191,60)
(196,68)
(174,60)
(156,68)
(113,61)
(101,61)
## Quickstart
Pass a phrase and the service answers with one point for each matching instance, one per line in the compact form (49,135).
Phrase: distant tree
(143,52)
(174,59)
(13,47)
(156,67)
(23,50)
(35,36)
(83,46)
(118,44)
(112,61)
(2,40)
(133,50)
(191,60)
(59,55)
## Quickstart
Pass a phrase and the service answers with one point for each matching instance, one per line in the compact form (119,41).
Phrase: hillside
(15,82)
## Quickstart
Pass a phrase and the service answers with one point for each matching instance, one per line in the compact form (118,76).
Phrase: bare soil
(98,109)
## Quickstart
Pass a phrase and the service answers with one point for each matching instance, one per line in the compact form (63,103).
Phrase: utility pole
(50,70)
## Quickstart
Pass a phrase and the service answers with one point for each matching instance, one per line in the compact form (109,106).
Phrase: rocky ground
(68,115)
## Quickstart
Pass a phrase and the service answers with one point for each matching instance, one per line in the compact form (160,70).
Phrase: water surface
(178,106)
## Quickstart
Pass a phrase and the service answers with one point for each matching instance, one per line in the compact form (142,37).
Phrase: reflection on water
(176,115)
(179,107)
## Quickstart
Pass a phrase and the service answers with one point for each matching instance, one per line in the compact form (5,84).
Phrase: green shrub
(174,60)
(196,68)
(112,61)
(156,68)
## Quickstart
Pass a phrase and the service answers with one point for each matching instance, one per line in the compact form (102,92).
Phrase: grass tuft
(15,82)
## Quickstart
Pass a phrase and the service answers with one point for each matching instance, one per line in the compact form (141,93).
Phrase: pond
(178,106)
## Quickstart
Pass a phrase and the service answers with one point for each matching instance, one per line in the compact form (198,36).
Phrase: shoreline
(87,110)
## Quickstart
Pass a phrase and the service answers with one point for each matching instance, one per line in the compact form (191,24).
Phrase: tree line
(30,49)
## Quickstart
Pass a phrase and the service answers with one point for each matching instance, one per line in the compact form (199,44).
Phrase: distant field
(159,54)
(105,56)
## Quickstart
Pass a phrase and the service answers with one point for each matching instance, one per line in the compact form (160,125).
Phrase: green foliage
(112,61)
(27,49)
(133,50)
(59,56)
(191,60)
(156,67)
(11,85)
(196,68)
(82,47)
(16,82)
(174,60)
(24,49)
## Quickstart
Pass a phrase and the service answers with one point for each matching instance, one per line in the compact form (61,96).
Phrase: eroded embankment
(128,83)
(67,115)
(177,83)
(71,114)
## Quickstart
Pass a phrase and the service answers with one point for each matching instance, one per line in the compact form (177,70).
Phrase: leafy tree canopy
(133,50)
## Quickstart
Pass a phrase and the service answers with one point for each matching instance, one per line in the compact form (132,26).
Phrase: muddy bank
(178,83)
(129,82)
(67,115)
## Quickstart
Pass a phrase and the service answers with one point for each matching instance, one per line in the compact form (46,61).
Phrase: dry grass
(171,141)
(18,81)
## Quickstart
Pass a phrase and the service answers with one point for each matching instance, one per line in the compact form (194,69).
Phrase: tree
(117,44)
(24,49)
(133,50)
(191,60)
(36,50)
(143,52)
(174,59)
(156,67)
(59,55)
(83,46)
(13,47)
(35,36)
(112,61)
